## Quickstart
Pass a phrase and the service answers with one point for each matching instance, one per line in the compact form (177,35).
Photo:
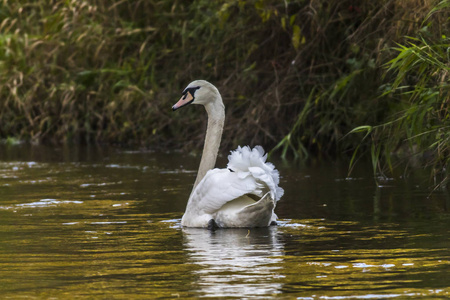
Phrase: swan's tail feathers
(248,161)
(259,214)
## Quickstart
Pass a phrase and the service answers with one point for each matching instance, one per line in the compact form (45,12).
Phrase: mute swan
(242,195)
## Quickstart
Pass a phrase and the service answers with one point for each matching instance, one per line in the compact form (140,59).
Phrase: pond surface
(104,223)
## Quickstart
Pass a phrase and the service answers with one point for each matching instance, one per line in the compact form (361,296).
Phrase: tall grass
(416,95)
(69,73)
(107,71)
(342,68)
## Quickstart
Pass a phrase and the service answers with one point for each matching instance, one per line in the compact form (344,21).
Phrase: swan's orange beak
(186,99)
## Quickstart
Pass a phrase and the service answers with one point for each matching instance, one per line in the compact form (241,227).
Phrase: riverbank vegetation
(300,77)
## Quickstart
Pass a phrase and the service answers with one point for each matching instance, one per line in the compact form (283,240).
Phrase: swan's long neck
(216,119)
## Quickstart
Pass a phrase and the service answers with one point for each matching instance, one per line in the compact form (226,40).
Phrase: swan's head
(197,92)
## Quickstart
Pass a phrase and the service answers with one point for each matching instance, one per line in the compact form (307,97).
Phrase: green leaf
(297,38)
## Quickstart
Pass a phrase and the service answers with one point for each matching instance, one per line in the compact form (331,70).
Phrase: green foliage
(417,128)
(339,64)
(109,71)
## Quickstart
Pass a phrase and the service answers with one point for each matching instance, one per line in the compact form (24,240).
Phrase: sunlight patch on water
(18,165)
(42,203)
(83,185)
(291,224)
(178,171)
(348,179)
(119,166)
(174,223)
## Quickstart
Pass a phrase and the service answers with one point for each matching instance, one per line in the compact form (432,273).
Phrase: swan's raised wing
(247,174)
(220,186)
(245,160)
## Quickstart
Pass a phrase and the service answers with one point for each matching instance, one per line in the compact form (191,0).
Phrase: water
(104,223)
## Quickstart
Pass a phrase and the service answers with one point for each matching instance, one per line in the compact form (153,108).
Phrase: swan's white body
(242,195)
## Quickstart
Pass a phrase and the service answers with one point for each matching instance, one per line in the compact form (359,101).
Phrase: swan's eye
(190,90)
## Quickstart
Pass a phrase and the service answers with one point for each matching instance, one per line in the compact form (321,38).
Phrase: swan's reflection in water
(235,262)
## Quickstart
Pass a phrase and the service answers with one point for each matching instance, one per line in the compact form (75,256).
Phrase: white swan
(242,195)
